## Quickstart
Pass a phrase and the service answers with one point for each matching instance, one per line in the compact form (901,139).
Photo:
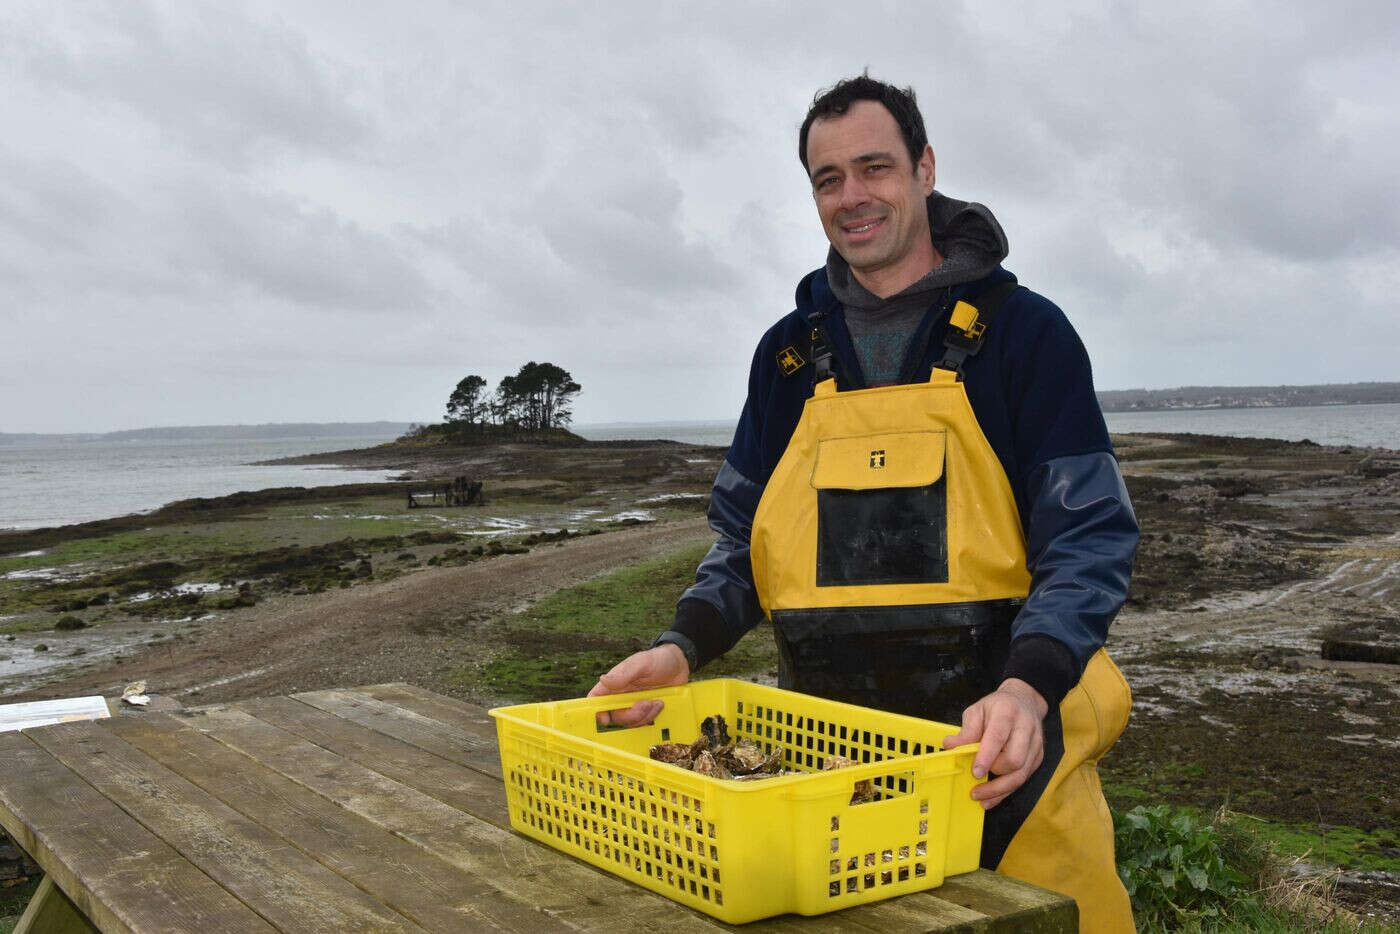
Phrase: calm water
(58,484)
(1372,426)
(1359,425)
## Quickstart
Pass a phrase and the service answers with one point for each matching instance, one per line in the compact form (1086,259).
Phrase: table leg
(51,912)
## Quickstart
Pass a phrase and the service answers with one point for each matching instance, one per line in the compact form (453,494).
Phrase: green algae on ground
(1345,847)
(1339,846)
(289,541)
(282,567)
(559,647)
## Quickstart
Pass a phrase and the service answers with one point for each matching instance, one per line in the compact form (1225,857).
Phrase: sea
(47,484)
(1355,425)
(50,484)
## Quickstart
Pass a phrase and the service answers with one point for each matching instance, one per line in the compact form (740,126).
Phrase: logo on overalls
(790,361)
(877,459)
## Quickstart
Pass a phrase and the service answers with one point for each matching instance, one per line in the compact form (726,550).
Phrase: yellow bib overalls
(888,552)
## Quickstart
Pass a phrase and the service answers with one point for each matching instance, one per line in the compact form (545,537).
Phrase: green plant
(13,900)
(1173,867)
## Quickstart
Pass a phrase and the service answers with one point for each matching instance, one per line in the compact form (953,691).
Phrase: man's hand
(662,667)
(1008,724)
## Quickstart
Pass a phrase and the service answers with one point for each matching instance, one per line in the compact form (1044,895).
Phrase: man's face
(870,197)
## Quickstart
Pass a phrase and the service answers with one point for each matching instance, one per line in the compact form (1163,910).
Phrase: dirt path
(407,629)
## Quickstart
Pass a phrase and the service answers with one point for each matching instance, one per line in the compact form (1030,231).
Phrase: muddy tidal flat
(1254,553)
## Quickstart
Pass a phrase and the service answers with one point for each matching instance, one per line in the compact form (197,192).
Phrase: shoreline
(416,464)
(423,464)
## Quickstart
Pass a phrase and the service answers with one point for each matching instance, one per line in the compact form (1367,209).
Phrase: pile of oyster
(717,755)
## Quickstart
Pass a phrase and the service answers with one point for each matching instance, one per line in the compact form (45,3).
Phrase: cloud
(70,234)
(207,75)
(320,196)
(273,245)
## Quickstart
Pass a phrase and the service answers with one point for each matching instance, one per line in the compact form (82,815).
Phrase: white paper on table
(44,712)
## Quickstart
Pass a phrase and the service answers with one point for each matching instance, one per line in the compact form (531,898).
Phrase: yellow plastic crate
(743,850)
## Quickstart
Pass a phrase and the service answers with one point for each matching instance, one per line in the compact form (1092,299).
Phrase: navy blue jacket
(1031,389)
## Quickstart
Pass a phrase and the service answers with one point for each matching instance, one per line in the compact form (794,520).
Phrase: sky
(226,212)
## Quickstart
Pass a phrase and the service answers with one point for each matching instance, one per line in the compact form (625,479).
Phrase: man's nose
(854,193)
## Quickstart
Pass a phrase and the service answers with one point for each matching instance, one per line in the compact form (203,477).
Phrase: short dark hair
(837,99)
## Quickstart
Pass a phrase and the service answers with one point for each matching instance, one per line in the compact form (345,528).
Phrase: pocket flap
(874,462)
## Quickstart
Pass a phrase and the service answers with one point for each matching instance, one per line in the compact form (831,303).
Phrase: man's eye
(826,183)
(872,169)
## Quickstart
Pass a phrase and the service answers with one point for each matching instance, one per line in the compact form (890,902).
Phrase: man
(948,534)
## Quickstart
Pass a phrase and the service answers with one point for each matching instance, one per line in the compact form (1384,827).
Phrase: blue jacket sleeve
(722,604)
(1081,532)
(1081,538)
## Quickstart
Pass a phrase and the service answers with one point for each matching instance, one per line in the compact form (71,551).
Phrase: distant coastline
(270,431)
(1248,397)
(1182,398)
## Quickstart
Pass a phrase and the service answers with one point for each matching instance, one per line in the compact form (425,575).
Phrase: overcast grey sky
(226,212)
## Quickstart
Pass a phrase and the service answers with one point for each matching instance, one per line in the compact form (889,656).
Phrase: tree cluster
(539,396)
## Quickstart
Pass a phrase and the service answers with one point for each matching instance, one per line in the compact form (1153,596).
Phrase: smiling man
(922,497)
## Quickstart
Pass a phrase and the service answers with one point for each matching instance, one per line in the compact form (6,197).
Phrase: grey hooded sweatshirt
(971,243)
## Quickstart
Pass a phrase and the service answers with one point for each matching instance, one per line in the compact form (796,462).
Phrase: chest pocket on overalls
(882,509)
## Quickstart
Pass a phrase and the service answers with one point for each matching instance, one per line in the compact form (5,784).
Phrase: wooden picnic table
(380,808)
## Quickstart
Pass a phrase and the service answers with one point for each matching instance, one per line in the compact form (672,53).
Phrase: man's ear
(925,170)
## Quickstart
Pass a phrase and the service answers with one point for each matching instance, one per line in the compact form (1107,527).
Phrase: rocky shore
(1254,553)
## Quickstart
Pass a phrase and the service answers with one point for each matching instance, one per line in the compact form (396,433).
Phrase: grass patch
(559,647)
(1329,845)
(1345,847)
(13,900)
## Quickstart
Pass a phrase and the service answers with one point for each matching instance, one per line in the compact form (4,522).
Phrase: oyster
(675,753)
(708,764)
(715,731)
(863,791)
(718,755)
(747,758)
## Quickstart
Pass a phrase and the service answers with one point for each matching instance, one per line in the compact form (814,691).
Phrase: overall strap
(822,368)
(967,326)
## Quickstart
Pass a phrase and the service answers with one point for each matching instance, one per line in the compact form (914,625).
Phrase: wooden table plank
(290,890)
(466,716)
(920,912)
(442,738)
(562,886)
(122,876)
(396,793)
(463,788)
(964,903)
(1004,897)
(431,892)
(426,732)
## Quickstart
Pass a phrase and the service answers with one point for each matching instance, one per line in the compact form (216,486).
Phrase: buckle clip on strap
(821,350)
(967,327)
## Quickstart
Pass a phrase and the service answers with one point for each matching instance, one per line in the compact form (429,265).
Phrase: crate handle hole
(642,713)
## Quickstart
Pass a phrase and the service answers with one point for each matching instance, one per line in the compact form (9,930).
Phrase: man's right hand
(662,667)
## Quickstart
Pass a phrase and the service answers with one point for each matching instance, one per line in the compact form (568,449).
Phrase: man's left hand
(1007,722)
